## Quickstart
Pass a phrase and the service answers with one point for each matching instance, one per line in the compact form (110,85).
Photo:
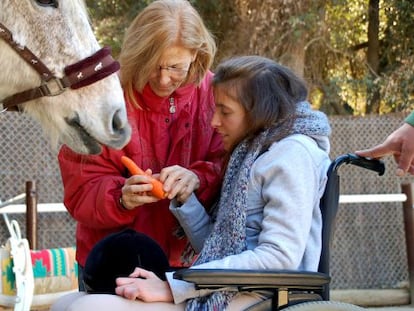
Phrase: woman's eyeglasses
(174,72)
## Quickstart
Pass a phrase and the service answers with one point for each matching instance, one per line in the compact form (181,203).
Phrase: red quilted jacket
(92,184)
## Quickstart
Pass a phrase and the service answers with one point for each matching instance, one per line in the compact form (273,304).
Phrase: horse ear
(118,255)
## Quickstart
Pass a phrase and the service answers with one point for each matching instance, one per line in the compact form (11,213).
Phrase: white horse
(58,33)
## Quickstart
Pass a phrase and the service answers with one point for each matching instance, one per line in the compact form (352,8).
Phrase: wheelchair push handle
(368,163)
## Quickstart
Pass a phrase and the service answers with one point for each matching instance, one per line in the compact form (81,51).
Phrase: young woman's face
(171,71)
(230,119)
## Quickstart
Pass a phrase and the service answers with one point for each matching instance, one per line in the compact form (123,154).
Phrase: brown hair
(268,91)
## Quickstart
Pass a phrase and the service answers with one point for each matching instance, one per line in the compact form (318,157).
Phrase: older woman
(165,61)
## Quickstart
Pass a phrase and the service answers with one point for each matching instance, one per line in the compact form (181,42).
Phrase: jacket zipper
(172,105)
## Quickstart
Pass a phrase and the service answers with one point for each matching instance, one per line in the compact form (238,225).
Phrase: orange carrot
(134,169)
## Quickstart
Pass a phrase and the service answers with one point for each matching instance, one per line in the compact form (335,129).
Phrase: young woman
(268,214)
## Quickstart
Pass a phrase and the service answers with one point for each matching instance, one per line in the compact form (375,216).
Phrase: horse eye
(52,3)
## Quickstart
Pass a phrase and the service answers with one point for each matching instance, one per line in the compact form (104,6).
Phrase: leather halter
(83,73)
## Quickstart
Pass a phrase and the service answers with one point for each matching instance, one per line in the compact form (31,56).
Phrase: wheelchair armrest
(253,279)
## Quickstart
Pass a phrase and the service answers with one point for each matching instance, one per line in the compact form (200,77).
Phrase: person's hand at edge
(400,144)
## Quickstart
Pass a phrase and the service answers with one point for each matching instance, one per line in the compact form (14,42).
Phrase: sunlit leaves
(325,39)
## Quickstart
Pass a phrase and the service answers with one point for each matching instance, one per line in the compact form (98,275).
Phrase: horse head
(58,33)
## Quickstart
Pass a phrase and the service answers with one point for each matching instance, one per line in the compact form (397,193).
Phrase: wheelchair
(291,290)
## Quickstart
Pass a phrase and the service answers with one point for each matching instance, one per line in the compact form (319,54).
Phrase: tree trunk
(373,98)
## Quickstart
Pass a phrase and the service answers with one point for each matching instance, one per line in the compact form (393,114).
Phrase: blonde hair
(162,24)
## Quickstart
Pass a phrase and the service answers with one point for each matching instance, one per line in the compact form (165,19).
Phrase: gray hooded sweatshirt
(283,218)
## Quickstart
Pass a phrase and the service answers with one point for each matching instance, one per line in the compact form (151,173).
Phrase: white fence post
(407,189)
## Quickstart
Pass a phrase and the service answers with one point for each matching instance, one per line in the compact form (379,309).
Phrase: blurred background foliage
(356,56)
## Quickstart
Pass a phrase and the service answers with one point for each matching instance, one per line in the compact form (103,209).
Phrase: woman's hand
(136,191)
(144,285)
(179,182)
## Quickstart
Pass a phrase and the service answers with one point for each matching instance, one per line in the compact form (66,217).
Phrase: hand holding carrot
(179,182)
(157,186)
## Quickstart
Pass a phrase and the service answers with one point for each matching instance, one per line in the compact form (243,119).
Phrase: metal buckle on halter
(2,109)
(53,87)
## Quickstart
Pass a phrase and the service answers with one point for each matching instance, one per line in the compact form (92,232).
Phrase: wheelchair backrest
(330,200)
